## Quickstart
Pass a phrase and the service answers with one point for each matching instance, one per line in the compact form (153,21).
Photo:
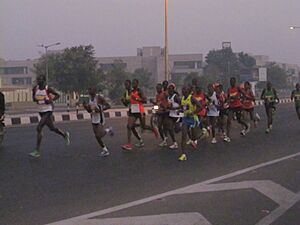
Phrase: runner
(248,103)
(199,95)
(96,107)
(223,111)
(269,95)
(296,97)
(136,111)
(162,113)
(172,120)
(235,108)
(191,108)
(213,112)
(42,95)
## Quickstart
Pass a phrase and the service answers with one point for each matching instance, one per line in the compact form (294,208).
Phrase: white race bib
(135,108)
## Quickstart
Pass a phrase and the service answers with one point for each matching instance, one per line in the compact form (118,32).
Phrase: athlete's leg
(240,119)
(39,130)
(169,125)
(160,121)
(50,125)
(184,134)
(298,112)
(131,127)
(99,133)
(212,122)
(229,120)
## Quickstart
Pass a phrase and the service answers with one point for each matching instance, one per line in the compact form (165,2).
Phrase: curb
(25,119)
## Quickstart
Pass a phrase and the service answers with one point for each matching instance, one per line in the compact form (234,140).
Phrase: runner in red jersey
(235,107)
(137,100)
(249,102)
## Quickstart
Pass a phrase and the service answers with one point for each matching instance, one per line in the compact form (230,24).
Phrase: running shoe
(35,154)
(214,141)
(67,138)
(163,143)
(104,153)
(268,130)
(226,139)
(205,133)
(189,142)
(243,132)
(127,147)
(194,144)
(174,146)
(140,144)
(182,158)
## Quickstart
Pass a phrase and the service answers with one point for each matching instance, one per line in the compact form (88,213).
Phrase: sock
(107,130)
(105,149)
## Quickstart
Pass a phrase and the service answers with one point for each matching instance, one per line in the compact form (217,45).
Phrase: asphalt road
(72,181)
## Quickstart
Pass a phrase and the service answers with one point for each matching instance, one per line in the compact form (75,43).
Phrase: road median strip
(26,119)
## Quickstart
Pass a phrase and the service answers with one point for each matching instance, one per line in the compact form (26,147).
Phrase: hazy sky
(118,27)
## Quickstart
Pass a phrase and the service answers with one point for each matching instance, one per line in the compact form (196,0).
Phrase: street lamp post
(46,52)
(166,42)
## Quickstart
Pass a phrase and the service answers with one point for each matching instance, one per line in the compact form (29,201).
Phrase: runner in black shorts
(235,107)
(42,95)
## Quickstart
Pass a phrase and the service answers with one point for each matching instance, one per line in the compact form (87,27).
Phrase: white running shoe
(243,132)
(226,139)
(189,142)
(174,146)
(104,153)
(163,143)
(214,141)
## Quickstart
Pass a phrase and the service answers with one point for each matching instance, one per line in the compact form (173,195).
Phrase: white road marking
(165,219)
(275,214)
(83,219)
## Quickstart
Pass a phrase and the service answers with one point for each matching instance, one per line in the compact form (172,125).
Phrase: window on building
(21,81)
(110,66)
(187,64)
(14,70)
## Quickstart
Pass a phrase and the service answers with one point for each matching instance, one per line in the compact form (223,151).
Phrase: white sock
(105,149)
(107,130)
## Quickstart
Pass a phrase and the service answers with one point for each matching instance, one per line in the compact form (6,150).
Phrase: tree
(73,70)
(277,76)
(246,60)
(224,62)
(144,76)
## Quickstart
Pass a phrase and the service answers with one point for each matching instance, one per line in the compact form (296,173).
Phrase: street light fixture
(46,52)
(293,28)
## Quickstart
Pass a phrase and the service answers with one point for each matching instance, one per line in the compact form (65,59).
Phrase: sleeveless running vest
(173,112)
(97,117)
(41,96)
(234,92)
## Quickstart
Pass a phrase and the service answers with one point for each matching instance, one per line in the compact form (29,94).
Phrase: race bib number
(135,108)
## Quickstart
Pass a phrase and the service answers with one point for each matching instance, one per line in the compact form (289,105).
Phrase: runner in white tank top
(213,111)
(42,95)
(96,107)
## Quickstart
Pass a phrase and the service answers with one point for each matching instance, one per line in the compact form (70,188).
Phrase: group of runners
(195,113)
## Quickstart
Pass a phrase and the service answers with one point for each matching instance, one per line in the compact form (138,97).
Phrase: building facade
(152,59)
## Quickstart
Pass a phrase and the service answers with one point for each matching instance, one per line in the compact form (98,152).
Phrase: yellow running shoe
(182,157)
